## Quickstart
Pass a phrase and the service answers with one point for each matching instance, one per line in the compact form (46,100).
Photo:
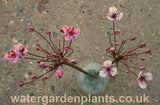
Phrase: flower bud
(142,67)
(108,48)
(44,78)
(65,58)
(132,37)
(42,65)
(143,58)
(127,70)
(59,73)
(117,32)
(20,83)
(112,49)
(30,29)
(66,48)
(117,43)
(147,51)
(48,32)
(143,44)
(73,61)
(37,47)
(33,76)
(38,61)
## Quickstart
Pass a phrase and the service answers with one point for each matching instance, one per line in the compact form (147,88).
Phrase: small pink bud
(65,58)
(59,73)
(135,54)
(127,70)
(48,32)
(143,58)
(45,59)
(112,49)
(50,67)
(61,60)
(33,76)
(66,48)
(37,47)
(131,60)
(143,44)
(116,43)
(132,37)
(44,78)
(108,48)
(30,29)
(38,61)
(42,65)
(73,61)
(142,67)
(20,83)
(117,32)
(126,57)
(129,50)
(147,51)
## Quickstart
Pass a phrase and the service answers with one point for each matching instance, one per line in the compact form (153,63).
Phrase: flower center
(114,15)
(11,54)
(142,78)
(108,68)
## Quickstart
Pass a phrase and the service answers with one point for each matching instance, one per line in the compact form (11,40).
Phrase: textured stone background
(141,18)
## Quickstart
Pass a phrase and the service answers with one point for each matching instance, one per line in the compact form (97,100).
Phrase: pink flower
(12,55)
(108,69)
(23,50)
(113,14)
(143,78)
(69,32)
(59,73)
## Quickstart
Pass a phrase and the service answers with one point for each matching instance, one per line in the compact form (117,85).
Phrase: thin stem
(44,38)
(114,34)
(69,47)
(55,50)
(63,44)
(110,39)
(36,55)
(79,69)
(129,68)
(70,53)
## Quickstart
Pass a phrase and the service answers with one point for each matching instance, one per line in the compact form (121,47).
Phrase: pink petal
(6,56)
(114,71)
(142,84)
(112,10)
(119,16)
(77,32)
(103,73)
(73,37)
(140,74)
(65,28)
(107,63)
(59,73)
(148,76)
(110,18)
(14,60)
(67,38)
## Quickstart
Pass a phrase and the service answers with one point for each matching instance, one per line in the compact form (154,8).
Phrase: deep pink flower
(23,50)
(113,14)
(59,73)
(69,32)
(12,55)
(143,78)
(108,69)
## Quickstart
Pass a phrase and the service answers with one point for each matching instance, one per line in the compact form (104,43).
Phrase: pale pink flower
(108,69)
(23,50)
(143,78)
(113,14)
(59,73)
(12,55)
(69,32)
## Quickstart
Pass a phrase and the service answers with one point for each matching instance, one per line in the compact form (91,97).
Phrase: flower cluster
(125,57)
(52,59)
